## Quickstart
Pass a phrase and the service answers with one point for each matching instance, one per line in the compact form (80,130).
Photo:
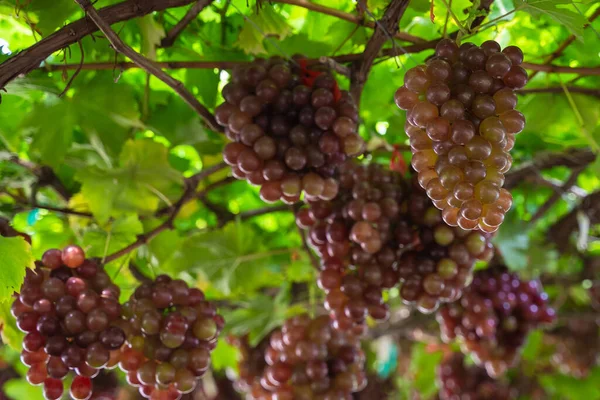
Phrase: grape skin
(464,98)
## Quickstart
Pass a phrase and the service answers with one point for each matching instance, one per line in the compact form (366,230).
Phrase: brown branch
(191,14)
(386,27)
(557,194)
(148,65)
(558,89)
(561,231)
(355,19)
(562,47)
(45,176)
(262,211)
(554,184)
(571,158)
(561,69)
(32,57)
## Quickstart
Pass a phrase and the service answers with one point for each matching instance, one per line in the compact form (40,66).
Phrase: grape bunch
(291,127)
(458,381)
(69,309)
(171,330)
(438,260)
(379,230)
(462,122)
(251,362)
(309,360)
(577,347)
(354,236)
(494,316)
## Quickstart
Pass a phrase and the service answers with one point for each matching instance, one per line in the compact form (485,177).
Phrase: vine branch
(557,194)
(387,26)
(148,65)
(558,89)
(561,231)
(45,176)
(191,14)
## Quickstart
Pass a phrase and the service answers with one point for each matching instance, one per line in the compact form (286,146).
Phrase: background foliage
(120,144)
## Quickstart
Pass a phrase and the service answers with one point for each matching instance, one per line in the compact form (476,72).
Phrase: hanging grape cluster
(291,127)
(458,381)
(353,235)
(462,122)
(69,309)
(379,230)
(438,261)
(577,347)
(309,360)
(171,330)
(494,316)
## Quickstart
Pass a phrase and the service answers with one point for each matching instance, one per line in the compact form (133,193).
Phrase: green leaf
(15,257)
(114,236)
(142,179)
(570,388)
(11,335)
(423,367)
(234,260)
(572,20)
(513,242)
(152,33)
(204,83)
(18,389)
(51,141)
(49,15)
(224,356)
(266,22)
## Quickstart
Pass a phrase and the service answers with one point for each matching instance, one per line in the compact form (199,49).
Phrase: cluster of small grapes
(462,122)
(577,347)
(251,362)
(309,360)
(69,309)
(494,316)
(458,381)
(378,231)
(291,127)
(171,330)
(354,236)
(438,261)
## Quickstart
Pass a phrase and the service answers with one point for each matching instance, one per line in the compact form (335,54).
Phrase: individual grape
(494,315)
(53,389)
(81,388)
(461,107)
(287,125)
(73,256)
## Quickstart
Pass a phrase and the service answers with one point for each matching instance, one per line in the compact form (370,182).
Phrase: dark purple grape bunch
(459,381)
(494,316)
(69,309)
(291,126)
(354,237)
(436,261)
(462,122)
(171,330)
(308,359)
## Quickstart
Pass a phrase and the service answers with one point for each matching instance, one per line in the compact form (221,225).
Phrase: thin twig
(558,69)
(334,65)
(191,14)
(77,71)
(148,65)
(313,258)
(557,194)
(558,89)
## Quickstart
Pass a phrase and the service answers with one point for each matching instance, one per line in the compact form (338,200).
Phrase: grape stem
(191,15)
(148,65)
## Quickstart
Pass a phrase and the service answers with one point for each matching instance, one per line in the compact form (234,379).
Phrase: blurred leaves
(264,23)
(15,258)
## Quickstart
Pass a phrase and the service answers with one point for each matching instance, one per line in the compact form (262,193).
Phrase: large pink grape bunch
(171,330)
(379,230)
(308,360)
(494,316)
(458,381)
(291,126)
(69,309)
(462,122)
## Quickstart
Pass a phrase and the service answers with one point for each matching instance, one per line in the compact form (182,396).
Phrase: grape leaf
(260,25)
(513,242)
(573,21)
(51,141)
(224,356)
(15,257)
(114,236)
(423,366)
(137,185)
(152,33)
(11,335)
